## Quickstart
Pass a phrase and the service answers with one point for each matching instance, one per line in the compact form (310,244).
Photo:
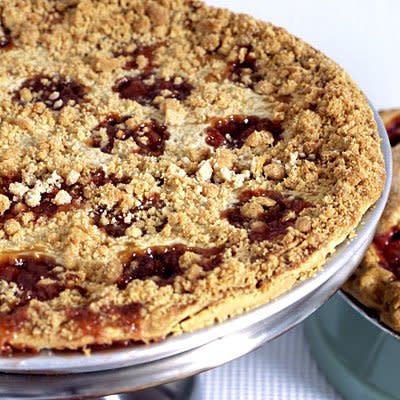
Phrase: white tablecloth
(281,370)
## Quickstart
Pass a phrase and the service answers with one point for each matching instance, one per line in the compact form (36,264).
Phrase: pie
(165,165)
(376,282)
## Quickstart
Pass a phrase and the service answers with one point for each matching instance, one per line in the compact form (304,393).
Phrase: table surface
(281,370)
(364,38)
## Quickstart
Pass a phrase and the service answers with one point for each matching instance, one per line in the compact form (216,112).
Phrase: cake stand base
(179,390)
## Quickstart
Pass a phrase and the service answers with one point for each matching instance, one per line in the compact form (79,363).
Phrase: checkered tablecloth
(281,370)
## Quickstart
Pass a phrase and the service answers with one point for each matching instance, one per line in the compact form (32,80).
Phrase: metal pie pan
(66,363)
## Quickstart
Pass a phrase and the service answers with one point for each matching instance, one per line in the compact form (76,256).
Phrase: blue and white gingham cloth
(281,370)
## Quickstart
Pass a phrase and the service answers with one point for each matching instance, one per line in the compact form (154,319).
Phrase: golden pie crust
(165,165)
(376,282)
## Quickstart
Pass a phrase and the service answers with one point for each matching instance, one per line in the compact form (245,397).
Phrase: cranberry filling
(388,248)
(55,91)
(150,137)
(393,130)
(163,262)
(233,131)
(145,87)
(272,222)
(26,271)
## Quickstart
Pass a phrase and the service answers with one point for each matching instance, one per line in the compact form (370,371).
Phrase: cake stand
(146,372)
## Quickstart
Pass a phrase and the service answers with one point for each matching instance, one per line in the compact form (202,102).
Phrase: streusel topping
(165,165)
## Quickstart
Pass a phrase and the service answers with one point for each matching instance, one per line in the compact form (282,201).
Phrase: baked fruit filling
(393,130)
(376,282)
(164,166)
(388,249)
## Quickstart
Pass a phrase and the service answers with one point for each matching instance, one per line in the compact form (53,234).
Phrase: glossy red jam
(150,137)
(233,131)
(54,91)
(145,87)
(163,262)
(26,271)
(91,323)
(118,220)
(100,178)
(46,208)
(272,222)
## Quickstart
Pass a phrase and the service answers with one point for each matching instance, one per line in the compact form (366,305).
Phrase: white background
(364,37)
(361,35)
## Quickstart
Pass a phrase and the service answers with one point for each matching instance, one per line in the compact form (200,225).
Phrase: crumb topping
(166,165)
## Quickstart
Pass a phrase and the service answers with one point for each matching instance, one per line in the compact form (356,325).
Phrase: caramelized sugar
(150,137)
(27,271)
(145,87)
(388,248)
(233,131)
(55,91)
(271,223)
(163,262)
(118,220)
(393,130)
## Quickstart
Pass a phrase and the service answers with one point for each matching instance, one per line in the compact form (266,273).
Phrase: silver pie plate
(141,366)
